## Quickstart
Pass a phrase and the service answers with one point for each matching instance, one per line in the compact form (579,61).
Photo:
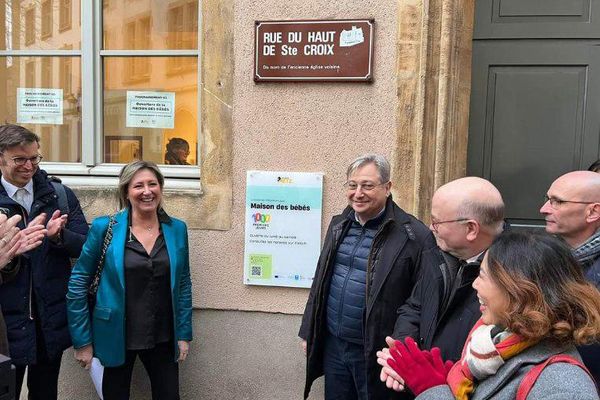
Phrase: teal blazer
(106,330)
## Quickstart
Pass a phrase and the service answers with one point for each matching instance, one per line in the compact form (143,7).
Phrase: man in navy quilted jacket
(367,269)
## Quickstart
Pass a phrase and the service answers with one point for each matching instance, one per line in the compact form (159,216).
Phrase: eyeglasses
(365,187)
(20,161)
(556,203)
(436,224)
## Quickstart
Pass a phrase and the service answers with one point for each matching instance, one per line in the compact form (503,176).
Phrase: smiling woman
(536,306)
(152,318)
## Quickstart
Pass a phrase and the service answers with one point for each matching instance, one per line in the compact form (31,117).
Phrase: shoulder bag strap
(533,374)
(107,238)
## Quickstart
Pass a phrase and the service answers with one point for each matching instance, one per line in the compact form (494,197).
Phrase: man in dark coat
(466,216)
(572,212)
(14,242)
(367,269)
(33,303)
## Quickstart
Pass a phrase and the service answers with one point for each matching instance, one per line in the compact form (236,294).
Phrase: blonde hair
(128,172)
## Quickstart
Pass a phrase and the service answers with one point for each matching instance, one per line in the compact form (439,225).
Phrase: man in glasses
(572,211)
(467,214)
(33,303)
(367,269)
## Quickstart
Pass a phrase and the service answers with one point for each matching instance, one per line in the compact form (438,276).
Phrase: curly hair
(548,296)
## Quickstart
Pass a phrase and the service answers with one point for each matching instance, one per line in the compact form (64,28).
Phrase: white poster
(150,110)
(283,228)
(39,106)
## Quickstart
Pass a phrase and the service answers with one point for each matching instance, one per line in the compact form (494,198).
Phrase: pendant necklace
(148,229)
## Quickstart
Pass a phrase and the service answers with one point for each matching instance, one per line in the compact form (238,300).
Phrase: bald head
(574,210)
(466,216)
(475,198)
(581,185)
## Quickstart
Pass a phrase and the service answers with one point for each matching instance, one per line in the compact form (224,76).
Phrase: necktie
(20,197)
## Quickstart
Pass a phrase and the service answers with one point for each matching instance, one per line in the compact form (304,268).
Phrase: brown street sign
(333,50)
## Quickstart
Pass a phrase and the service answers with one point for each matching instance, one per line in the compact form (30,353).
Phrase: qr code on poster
(256,270)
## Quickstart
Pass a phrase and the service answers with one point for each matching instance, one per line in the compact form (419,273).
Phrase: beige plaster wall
(294,127)
(231,358)
(415,112)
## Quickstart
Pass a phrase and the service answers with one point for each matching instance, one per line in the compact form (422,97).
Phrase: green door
(535,99)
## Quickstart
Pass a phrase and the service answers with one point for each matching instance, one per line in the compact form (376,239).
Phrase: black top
(148,294)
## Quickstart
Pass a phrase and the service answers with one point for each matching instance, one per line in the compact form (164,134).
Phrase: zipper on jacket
(25,221)
(427,338)
(457,281)
(337,233)
(370,267)
(350,267)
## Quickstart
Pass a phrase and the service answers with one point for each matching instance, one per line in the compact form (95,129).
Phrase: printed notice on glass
(283,228)
(150,110)
(39,106)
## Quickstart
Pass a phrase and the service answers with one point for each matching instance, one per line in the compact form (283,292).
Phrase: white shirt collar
(11,189)
(474,258)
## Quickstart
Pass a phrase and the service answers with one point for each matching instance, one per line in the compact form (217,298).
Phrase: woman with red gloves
(536,306)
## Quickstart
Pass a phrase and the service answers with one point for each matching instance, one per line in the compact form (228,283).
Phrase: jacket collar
(120,229)
(41,187)
(163,217)
(12,189)
(392,212)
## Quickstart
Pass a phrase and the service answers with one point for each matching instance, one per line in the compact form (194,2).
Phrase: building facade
(97,52)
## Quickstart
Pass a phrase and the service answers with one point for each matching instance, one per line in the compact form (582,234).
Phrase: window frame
(29,35)
(65,15)
(46,19)
(91,55)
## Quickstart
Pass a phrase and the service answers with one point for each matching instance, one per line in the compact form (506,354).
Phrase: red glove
(435,352)
(419,371)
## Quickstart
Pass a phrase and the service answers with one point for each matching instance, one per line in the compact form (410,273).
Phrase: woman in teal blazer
(143,304)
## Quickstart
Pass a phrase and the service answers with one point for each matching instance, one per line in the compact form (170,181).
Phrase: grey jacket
(557,381)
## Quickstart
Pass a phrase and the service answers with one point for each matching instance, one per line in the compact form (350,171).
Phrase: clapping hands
(405,364)
(14,241)
(420,369)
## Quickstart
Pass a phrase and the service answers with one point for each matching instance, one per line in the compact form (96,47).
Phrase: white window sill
(180,178)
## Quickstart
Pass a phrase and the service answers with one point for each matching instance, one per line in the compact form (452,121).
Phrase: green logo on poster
(260,266)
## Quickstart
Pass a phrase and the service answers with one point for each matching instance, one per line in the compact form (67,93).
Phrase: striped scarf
(588,251)
(482,356)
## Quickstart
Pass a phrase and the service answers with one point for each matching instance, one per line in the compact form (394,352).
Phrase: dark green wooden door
(535,100)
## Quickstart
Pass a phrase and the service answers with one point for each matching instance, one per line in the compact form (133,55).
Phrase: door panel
(535,114)
(528,19)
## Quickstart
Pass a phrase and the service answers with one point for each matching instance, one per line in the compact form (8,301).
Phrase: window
(47,72)
(127,83)
(65,13)
(46,19)
(183,23)
(66,75)
(30,26)
(29,73)
(137,36)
